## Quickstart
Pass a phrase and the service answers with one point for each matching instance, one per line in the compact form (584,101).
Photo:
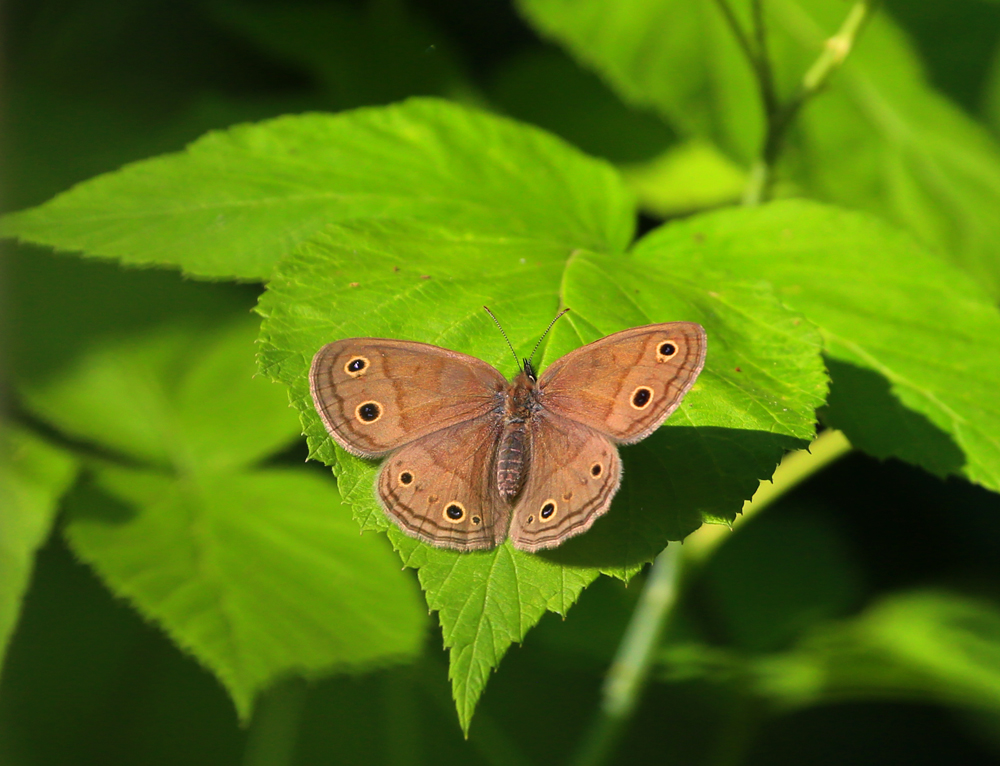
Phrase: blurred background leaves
(869,565)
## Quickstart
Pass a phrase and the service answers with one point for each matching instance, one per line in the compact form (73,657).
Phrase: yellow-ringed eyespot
(666,350)
(641,397)
(356,366)
(368,412)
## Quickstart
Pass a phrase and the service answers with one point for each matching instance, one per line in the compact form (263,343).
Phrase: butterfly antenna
(516,360)
(544,334)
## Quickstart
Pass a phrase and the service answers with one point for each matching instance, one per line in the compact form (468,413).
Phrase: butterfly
(472,459)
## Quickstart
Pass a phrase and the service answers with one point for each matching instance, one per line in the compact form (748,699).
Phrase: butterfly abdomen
(520,401)
(511,460)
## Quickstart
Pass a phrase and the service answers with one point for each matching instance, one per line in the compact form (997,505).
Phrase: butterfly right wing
(375,395)
(575,473)
(441,488)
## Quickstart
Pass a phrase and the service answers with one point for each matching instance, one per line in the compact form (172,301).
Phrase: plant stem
(779,117)
(275,727)
(739,34)
(765,75)
(629,670)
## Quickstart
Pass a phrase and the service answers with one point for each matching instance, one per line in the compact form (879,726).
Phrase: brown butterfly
(473,459)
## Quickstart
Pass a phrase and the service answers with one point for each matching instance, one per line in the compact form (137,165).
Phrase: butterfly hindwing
(440,488)
(573,477)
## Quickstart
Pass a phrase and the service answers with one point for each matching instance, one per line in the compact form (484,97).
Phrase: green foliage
(252,571)
(33,476)
(256,574)
(917,645)
(881,139)
(414,281)
(235,202)
(139,411)
(874,328)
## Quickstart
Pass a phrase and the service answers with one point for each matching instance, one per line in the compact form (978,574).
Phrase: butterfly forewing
(574,474)
(375,395)
(625,385)
(440,488)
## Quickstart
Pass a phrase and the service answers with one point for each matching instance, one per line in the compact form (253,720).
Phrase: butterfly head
(528,369)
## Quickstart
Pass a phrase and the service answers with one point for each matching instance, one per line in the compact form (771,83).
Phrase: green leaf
(913,325)
(922,644)
(885,141)
(686,178)
(674,56)
(546,88)
(174,396)
(879,138)
(919,645)
(258,575)
(404,279)
(33,476)
(235,202)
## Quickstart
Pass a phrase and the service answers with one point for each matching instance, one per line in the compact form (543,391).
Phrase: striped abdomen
(512,458)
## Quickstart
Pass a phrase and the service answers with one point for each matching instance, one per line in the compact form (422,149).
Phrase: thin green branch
(835,51)
(765,74)
(739,34)
(629,671)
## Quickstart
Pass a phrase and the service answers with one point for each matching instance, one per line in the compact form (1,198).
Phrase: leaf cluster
(152,410)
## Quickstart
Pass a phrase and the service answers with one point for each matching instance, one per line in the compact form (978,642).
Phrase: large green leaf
(259,575)
(33,477)
(236,201)
(880,138)
(420,282)
(175,396)
(914,345)
(674,56)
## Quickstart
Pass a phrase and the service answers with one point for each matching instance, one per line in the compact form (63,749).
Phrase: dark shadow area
(862,405)
(672,481)
(88,502)
(868,734)
(86,681)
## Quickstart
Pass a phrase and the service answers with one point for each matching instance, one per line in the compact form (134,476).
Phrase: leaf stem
(739,34)
(629,670)
(780,116)
(275,726)
(765,75)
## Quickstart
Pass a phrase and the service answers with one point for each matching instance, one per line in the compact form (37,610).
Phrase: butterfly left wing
(376,394)
(441,487)
(574,475)
(627,384)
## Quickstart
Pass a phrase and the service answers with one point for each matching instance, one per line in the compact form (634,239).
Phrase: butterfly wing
(625,385)
(575,472)
(441,488)
(375,395)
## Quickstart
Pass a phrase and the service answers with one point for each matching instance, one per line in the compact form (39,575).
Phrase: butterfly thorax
(520,401)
